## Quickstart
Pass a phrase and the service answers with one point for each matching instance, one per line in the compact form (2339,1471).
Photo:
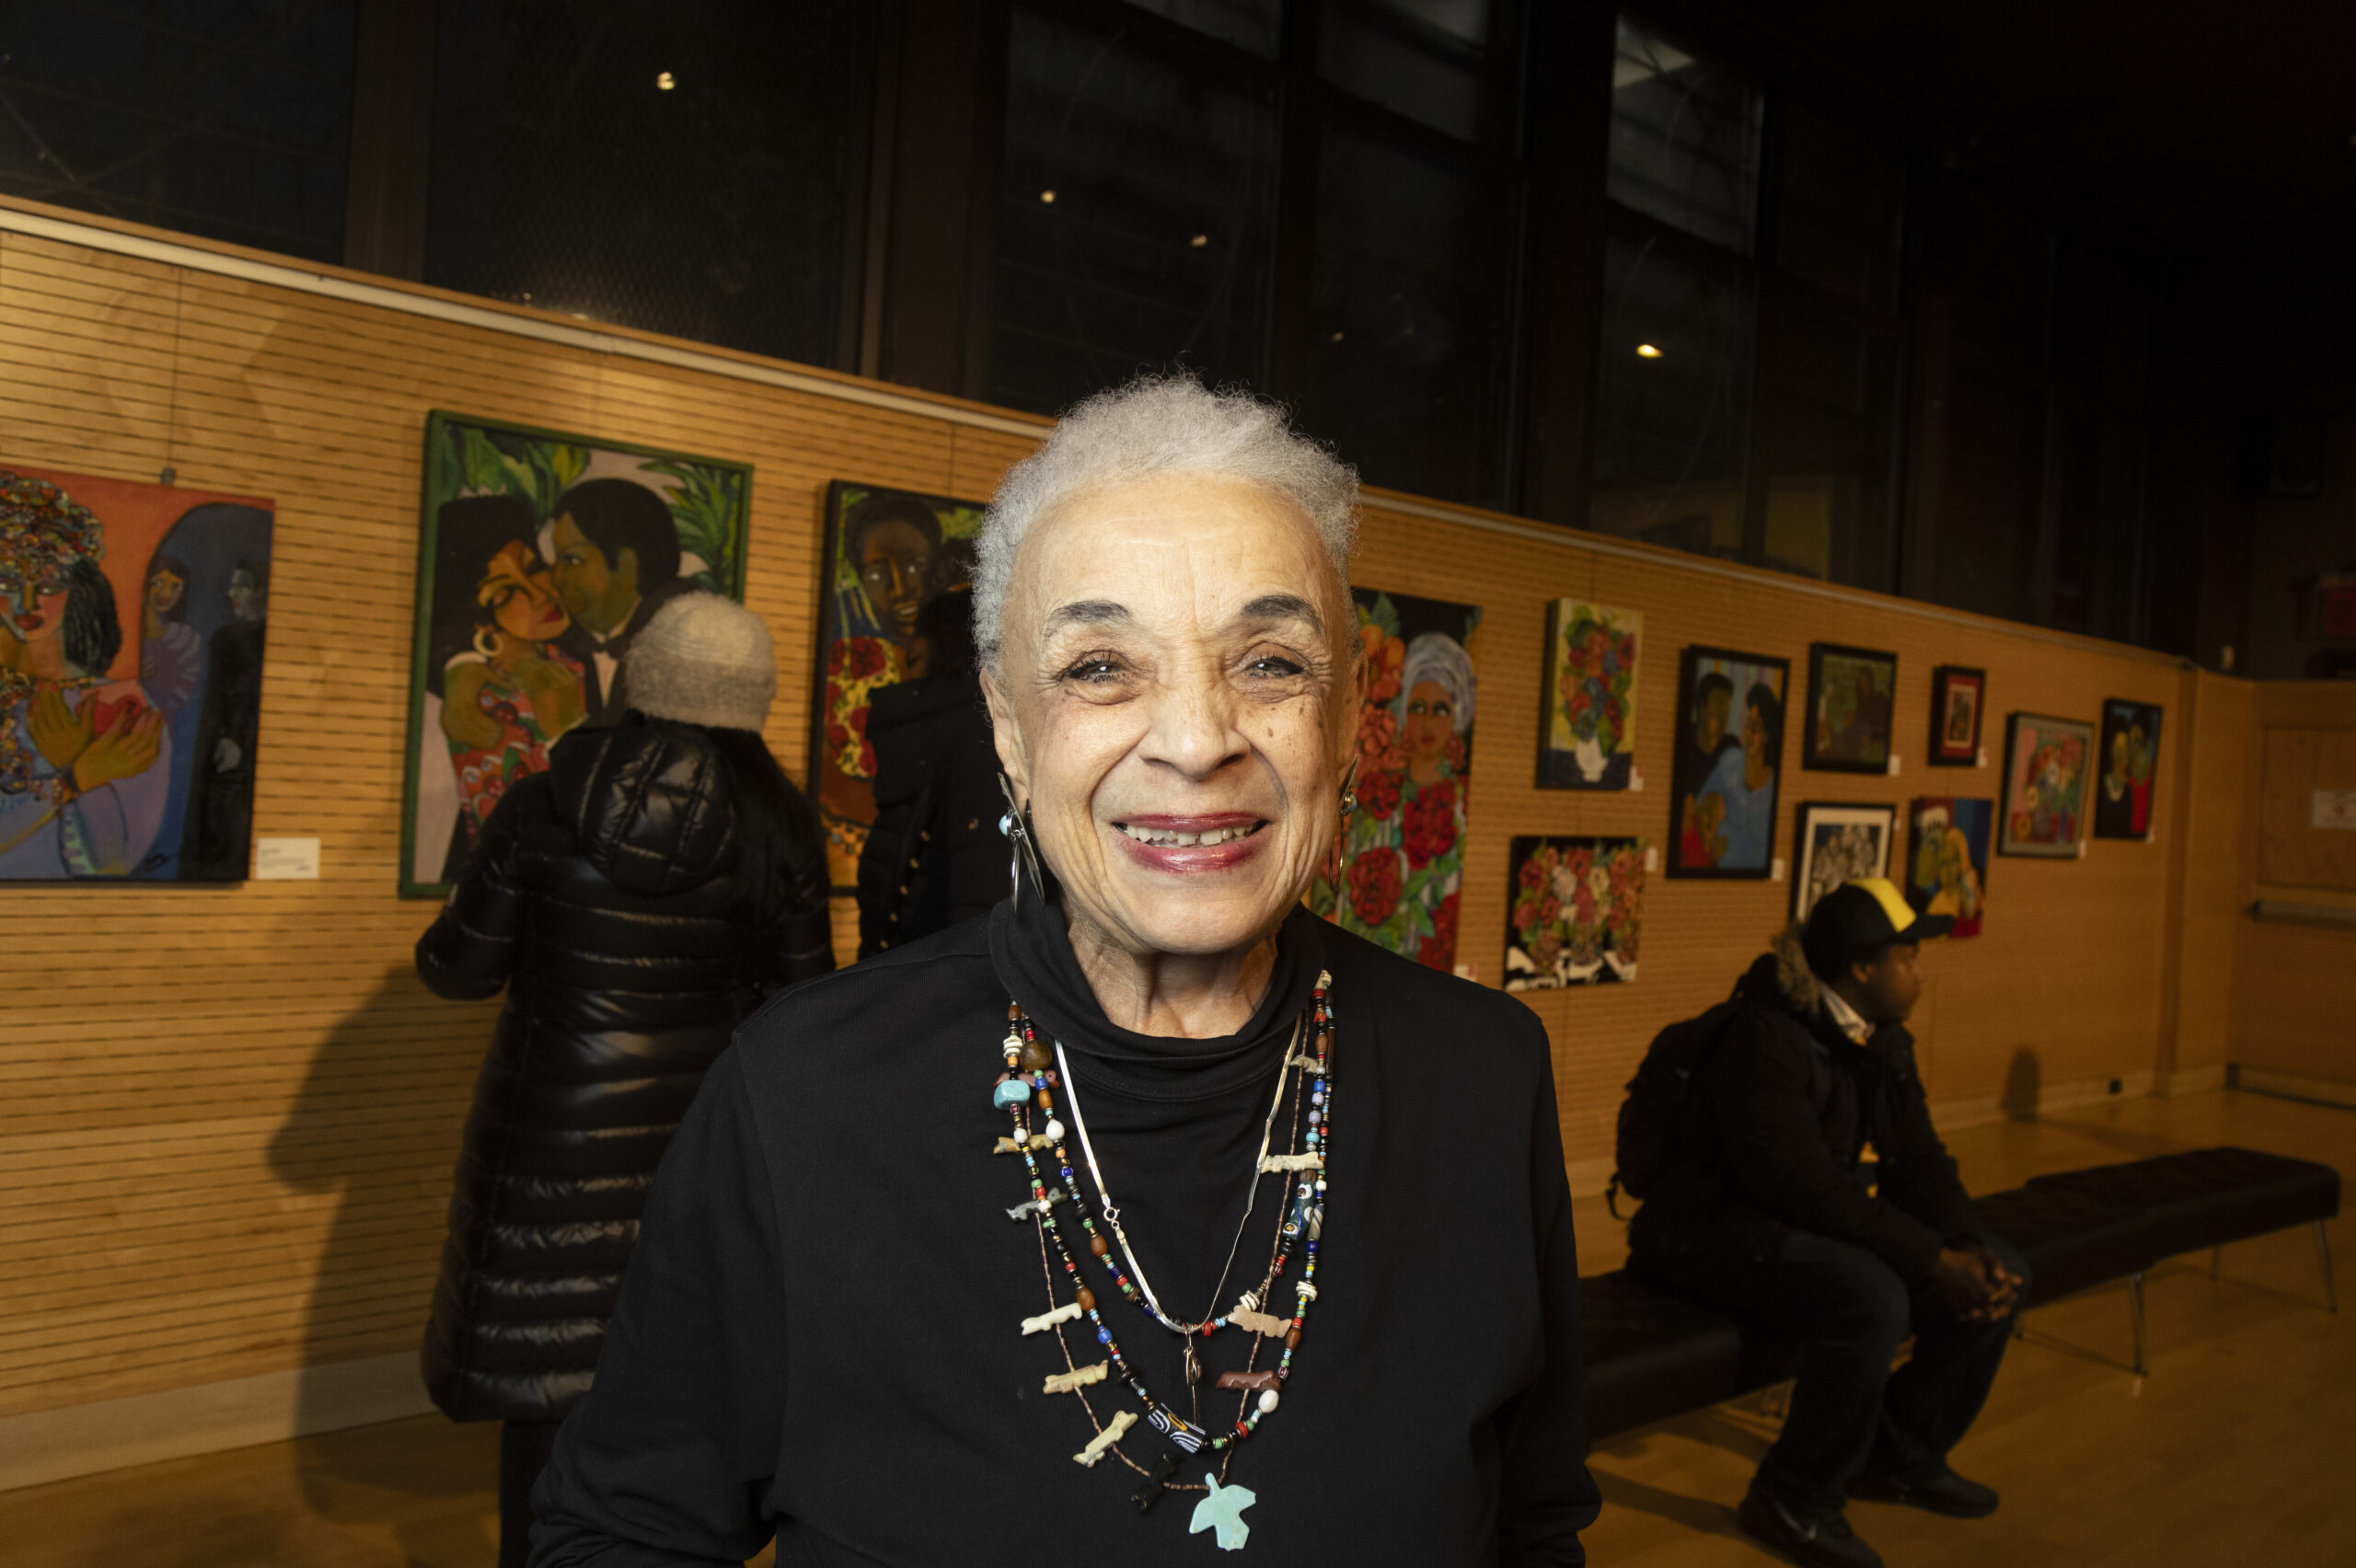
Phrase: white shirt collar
(1846,1018)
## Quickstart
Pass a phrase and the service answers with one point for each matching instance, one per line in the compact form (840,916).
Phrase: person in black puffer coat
(638,901)
(934,856)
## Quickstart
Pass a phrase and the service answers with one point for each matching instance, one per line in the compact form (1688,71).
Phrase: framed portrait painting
(2131,745)
(1588,733)
(1578,905)
(2046,762)
(1946,858)
(1837,844)
(1852,694)
(540,556)
(1958,693)
(887,554)
(1729,762)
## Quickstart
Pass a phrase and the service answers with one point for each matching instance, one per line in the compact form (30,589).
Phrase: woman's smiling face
(1175,687)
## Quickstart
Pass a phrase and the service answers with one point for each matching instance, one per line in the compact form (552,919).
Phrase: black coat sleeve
(1546,1496)
(469,951)
(668,1460)
(807,948)
(1772,1145)
(1918,1174)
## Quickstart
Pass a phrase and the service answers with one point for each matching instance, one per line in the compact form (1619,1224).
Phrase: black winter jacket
(1770,1142)
(605,898)
(935,856)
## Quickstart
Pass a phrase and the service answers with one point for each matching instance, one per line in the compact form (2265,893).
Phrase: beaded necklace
(1029,1079)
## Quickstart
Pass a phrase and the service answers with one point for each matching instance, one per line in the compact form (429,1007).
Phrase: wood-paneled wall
(229,1113)
(2297,978)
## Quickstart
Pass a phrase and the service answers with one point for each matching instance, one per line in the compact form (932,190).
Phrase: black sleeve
(469,951)
(807,948)
(1918,1174)
(1546,1494)
(1773,1144)
(669,1458)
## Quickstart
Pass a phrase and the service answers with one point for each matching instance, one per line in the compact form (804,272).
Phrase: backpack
(1646,1146)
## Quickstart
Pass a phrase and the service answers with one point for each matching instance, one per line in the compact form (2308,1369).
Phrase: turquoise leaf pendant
(1223,1511)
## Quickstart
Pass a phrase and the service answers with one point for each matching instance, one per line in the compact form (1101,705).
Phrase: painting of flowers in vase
(1399,866)
(1578,905)
(1590,734)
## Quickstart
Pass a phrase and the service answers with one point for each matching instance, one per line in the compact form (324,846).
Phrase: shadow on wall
(2023,1081)
(378,1122)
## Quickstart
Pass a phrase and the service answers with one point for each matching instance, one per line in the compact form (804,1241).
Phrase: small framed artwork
(1947,863)
(1576,907)
(1852,693)
(1589,733)
(1956,699)
(1729,762)
(2131,745)
(1837,844)
(2046,763)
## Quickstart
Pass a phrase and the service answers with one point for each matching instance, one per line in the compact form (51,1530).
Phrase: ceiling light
(1048,197)
(1646,351)
(1199,241)
(664,81)
(1338,337)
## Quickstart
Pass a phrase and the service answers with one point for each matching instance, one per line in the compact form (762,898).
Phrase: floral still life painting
(2131,745)
(1946,867)
(1840,844)
(1578,905)
(1590,735)
(2046,766)
(1400,867)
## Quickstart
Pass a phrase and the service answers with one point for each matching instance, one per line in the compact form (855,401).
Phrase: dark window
(229,119)
(1431,60)
(1255,25)
(678,167)
(1137,219)
(1684,139)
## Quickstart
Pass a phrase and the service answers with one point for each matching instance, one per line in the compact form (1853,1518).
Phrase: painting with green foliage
(540,556)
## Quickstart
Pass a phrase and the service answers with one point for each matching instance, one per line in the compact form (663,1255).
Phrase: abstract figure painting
(1402,863)
(887,554)
(1946,865)
(1852,695)
(2131,745)
(540,558)
(1957,695)
(2045,764)
(1578,905)
(1588,740)
(131,648)
(1729,762)
(1838,844)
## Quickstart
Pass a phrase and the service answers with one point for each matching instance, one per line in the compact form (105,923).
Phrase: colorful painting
(2045,765)
(540,556)
(2131,745)
(1946,867)
(887,553)
(1852,695)
(1578,905)
(1957,695)
(1839,844)
(1729,762)
(131,657)
(1590,723)
(1401,865)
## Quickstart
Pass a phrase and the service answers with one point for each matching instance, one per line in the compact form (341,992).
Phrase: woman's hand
(59,733)
(128,747)
(463,719)
(555,691)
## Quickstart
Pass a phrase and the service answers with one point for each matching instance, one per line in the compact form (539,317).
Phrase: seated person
(1772,1211)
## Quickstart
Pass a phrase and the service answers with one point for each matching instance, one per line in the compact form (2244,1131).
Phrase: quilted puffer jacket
(606,897)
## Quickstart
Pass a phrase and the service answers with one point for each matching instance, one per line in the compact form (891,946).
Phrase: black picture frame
(1878,815)
(1863,745)
(1946,682)
(2126,769)
(1698,761)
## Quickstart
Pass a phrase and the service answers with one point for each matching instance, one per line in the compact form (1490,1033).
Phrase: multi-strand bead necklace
(1030,1080)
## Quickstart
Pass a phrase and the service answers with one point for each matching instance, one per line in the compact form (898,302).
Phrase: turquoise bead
(1013,1092)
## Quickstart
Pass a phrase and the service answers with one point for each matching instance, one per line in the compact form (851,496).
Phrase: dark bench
(1650,1355)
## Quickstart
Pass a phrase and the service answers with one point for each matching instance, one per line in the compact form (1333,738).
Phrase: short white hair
(1160,424)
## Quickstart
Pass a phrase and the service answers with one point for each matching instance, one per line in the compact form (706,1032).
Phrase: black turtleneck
(820,1333)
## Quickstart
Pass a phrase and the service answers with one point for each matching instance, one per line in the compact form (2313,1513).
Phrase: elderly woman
(1152,1183)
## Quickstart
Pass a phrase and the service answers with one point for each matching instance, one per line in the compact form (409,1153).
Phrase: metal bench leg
(2135,1312)
(2323,1256)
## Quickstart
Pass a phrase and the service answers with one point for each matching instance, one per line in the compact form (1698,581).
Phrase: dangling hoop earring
(1339,860)
(1020,848)
(482,633)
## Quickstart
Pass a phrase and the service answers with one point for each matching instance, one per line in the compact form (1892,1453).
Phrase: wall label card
(286,859)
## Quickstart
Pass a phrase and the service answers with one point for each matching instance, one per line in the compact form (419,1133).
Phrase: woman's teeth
(1164,840)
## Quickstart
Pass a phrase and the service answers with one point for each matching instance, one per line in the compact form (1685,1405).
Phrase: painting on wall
(131,623)
(2045,764)
(1947,863)
(1729,762)
(2131,745)
(1852,695)
(1838,844)
(1401,867)
(540,556)
(1957,695)
(1578,906)
(1588,739)
(887,554)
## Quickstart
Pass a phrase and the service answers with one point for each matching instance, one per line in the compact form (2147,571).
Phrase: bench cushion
(2071,1240)
(2207,1196)
(1649,1355)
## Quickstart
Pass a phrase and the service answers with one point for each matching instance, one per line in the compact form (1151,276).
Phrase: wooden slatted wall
(230,1113)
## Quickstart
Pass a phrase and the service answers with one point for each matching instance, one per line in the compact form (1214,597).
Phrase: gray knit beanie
(703,659)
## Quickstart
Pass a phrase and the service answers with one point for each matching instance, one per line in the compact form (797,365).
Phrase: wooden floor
(2236,1449)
